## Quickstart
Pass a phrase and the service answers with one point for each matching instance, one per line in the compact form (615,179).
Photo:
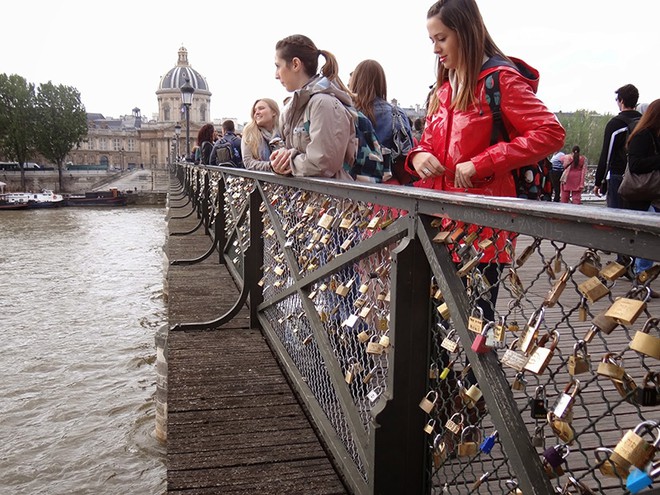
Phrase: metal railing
(426,370)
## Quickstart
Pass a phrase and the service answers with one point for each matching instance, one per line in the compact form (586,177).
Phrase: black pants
(556,184)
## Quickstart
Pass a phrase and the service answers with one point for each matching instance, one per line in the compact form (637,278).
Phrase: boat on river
(6,205)
(44,199)
(113,197)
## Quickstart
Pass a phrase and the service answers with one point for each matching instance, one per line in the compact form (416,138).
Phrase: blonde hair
(252,136)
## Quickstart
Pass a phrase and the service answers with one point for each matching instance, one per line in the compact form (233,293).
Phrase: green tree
(585,129)
(17,120)
(62,122)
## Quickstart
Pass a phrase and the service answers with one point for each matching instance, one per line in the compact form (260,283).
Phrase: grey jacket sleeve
(251,163)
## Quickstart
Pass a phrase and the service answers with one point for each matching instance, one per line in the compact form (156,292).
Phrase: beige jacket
(321,129)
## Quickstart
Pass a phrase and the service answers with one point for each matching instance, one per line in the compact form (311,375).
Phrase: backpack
(402,143)
(372,161)
(527,177)
(625,131)
(226,154)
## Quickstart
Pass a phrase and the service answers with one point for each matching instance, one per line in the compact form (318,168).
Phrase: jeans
(642,264)
(613,198)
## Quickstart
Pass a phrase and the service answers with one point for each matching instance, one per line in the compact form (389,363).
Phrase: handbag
(564,174)
(640,187)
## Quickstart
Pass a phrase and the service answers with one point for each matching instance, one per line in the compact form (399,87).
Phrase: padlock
(527,252)
(489,442)
(363,336)
(479,344)
(579,362)
(513,358)
(512,486)
(648,394)
(637,480)
(445,372)
(540,358)
(516,283)
(538,405)
(633,450)
(538,438)
(612,271)
(604,323)
(467,244)
(434,372)
(583,310)
(625,310)
(370,374)
(556,290)
(476,320)
(439,451)
(327,219)
(374,347)
(531,331)
(350,321)
(593,289)
(456,235)
(428,402)
(443,310)
(472,394)
(374,394)
(519,381)
(452,425)
(448,343)
(561,428)
(556,455)
(649,274)
(430,426)
(581,488)
(590,264)
(645,343)
(627,388)
(558,261)
(469,449)
(384,341)
(442,237)
(606,466)
(469,265)
(610,366)
(564,404)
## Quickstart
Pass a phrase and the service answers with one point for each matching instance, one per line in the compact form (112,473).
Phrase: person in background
(263,129)
(318,128)
(229,135)
(643,157)
(612,161)
(455,153)
(555,175)
(571,188)
(368,86)
(418,128)
(205,144)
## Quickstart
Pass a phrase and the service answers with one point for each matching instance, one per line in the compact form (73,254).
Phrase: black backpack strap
(494,97)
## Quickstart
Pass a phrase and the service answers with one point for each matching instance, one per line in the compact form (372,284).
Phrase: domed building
(133,141)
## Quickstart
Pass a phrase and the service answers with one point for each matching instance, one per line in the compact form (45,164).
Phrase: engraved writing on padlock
(327,218)
(374,347)
(452,424)
(646,343)
(578,362)
(448,343)
(540,358)
(625,310)
(476,320)
(514,359)
(532,329)
(428,402)
(609,366)
(612,271)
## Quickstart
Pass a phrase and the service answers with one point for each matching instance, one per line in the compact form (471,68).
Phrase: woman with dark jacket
(205,143)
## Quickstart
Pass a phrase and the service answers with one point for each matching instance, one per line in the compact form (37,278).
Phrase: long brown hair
(366,84)
(650,120)
(301,47)
(205,134)
(474,42)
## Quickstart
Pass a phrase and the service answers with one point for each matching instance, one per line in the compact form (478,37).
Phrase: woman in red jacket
(455,152)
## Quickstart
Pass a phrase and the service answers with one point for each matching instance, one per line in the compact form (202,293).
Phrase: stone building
(134,141)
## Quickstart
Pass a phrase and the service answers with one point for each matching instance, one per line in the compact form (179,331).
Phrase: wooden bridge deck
(234,425)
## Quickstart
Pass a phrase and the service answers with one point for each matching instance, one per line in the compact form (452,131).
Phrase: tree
(17,120)
(585,129)
(62,122)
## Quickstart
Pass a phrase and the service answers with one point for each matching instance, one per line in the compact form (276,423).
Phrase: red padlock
(479,343)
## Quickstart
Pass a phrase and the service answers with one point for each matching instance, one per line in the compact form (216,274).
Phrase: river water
(80,301)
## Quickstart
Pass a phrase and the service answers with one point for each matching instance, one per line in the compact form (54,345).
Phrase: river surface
(80,302)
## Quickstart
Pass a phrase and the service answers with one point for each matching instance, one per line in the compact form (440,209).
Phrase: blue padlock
(488,443)
(638,480)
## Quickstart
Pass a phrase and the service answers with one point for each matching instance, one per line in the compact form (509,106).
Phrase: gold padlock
(469,265)
(556,290)
(646,343)
(606,466)
(590,264)
(531,331)
(513,358)
(632,449)
(443,310)
(428,402)
(476,323)
(561,428)
(611,367)
(327,219)
(430,426)
(469,449)
(540,358)
(578,362)
(448,343)
(374,347)
(593,289)
(527,252)
(452,424)
(473,394)
(440,451)
(612,271)
(625,310)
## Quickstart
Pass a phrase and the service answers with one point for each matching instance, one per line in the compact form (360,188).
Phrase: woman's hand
(426,165)
(464,173)
(280,161)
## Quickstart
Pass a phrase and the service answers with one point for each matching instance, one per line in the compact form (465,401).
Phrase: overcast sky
(115,53)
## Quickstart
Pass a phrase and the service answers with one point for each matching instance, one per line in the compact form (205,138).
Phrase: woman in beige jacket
(317,127)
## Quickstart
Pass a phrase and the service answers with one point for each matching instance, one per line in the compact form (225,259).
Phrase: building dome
(177,76)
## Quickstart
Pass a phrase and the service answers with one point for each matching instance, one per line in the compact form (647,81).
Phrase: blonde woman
(258,135)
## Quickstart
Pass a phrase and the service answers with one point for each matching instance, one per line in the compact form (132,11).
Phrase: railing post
(398,447)
(254,260)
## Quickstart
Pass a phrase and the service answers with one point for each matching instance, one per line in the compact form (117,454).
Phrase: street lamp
(177,134)
(186,97)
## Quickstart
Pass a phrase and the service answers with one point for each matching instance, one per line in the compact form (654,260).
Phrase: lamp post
(186,97)
(177,134)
